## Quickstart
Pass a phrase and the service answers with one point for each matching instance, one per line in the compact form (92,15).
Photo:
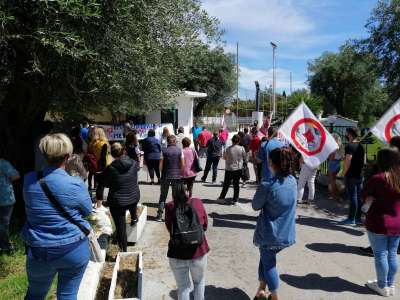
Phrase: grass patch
(13,278)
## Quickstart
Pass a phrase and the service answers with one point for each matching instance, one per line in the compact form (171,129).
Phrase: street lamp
(274,46)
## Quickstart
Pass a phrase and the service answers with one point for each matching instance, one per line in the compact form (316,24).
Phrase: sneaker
(392,290)
(159,218)
(347,222)
(203,180)
(306,202)
(223,201)
(373,285)
(359,222)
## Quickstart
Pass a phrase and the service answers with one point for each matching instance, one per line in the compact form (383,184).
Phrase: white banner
(389,125)
(303,130)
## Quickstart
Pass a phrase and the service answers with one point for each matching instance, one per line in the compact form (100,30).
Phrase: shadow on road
(217,293)
(233,217)
(327,224)
(328,284)
(335,248)
(232,224)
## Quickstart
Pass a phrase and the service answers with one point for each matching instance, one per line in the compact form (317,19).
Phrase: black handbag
(196,163)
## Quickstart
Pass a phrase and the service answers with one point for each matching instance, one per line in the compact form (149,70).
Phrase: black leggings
(189,184)
(119,216)
(153,165)
(229,177)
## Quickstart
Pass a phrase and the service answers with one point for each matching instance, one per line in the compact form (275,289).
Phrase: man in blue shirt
(196,130)
(266,148)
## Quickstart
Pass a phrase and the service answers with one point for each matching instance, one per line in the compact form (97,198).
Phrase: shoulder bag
(95,250)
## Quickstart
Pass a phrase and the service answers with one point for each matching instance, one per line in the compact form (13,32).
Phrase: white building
(182,115)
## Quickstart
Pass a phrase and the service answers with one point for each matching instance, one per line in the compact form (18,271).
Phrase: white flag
(303,130)
(389,125)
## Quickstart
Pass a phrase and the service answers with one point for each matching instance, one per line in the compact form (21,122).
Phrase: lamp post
(274,46)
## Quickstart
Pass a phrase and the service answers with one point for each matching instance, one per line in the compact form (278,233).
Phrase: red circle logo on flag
(309,136)
(392,128)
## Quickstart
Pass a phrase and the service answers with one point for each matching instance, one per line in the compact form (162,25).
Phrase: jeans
(165,184)
(153,166)
(5,217)
(119,216)
(197,269)
(385,253)
(214,162)
(307,176)
(267,269)
(353,188)
(229,177)
(70,269)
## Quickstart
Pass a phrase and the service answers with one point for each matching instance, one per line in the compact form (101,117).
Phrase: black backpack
(187,232)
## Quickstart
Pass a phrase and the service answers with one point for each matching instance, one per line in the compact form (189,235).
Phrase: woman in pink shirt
(189,156)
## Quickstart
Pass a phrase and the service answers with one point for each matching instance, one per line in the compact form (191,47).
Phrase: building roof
(193,94)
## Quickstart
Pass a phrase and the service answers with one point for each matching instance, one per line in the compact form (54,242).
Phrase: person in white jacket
(307,176)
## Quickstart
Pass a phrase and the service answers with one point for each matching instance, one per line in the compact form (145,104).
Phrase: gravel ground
(324,263)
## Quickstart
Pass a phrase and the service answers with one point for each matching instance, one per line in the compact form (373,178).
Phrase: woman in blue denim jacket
(54,244)
(276,198)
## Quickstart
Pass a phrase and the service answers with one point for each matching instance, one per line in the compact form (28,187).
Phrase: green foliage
(384,42)
(299,96)
(210,71)
(82,56)
(348,84)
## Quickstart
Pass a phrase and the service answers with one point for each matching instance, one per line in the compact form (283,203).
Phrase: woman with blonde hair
(101,150)
(55,236)
(334,166)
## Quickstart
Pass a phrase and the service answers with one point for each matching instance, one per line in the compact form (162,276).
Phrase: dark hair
(236,139)
(171,139)
(186,142)
(352,131)
(117,150)
(179,193)
(387,158)
(246,130)
(204,128)
(272,132)
(151,133)
(181,130)
(216,134)
(264,139)
(395,142)
(131,139)
(282,159)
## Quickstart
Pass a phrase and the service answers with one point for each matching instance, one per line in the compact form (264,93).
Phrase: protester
(246,140)
(164,137)
(195,131)
(307,176)
(100,148)
(266,148)
(55,246)
(180,137)
(185,259)
(214,152)
(382,194)
(171,166)
(254,149)
(353,167)
(132,146)
(235,156)
(121,176)
(8,175)
(275,230)
(77,141)
(203,139)
(334,166)
(223,136)
(74,166)
(189,169)
(84,131)
(90,159)
(152,155)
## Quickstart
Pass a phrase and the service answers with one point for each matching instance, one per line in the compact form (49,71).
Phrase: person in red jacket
(381,198)
(203,139)
(191,259)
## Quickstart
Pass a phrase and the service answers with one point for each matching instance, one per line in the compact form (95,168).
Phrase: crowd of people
(57,238)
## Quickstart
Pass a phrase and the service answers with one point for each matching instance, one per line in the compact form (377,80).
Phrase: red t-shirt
(383,217)
(255,144)
(203,138)
(201,250)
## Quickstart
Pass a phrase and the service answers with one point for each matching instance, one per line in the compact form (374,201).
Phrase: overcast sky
(302,29)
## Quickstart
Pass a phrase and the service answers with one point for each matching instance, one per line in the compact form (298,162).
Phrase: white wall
(185,113)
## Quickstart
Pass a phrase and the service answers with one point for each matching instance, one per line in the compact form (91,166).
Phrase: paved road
(324,264)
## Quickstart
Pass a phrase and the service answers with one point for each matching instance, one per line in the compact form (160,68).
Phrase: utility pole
(274,46)
(237,84)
